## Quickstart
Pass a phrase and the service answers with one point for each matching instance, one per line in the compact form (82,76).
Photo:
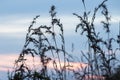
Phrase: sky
(16,16)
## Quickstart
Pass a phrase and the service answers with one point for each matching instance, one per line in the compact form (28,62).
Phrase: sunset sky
(16,15)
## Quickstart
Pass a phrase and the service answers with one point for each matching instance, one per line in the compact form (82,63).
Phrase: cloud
(19,24)
(7,63)
(8,60)
(94,77)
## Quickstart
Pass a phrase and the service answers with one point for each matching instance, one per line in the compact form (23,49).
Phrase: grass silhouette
(45,43)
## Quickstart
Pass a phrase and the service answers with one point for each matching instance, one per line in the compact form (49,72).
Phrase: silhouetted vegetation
(47,44)
(101,56)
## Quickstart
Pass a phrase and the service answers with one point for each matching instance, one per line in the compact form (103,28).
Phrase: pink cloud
(91,77)
(7,63)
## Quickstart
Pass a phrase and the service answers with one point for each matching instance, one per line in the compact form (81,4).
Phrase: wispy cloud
(7,63)
(20,24)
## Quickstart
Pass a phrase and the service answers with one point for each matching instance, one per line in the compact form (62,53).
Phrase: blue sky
(16,15)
